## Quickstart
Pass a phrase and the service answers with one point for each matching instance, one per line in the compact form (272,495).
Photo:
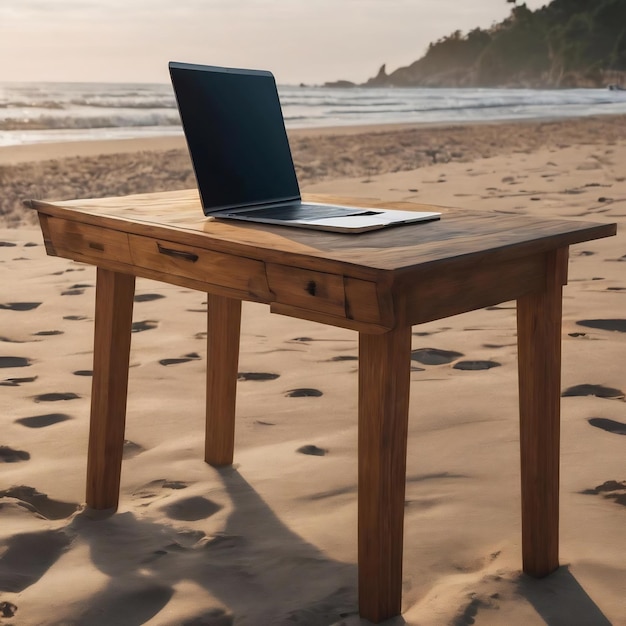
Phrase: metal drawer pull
(179,254)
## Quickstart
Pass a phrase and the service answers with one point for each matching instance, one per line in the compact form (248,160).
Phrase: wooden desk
(379,284)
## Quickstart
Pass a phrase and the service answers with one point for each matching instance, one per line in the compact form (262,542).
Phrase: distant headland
(567,43)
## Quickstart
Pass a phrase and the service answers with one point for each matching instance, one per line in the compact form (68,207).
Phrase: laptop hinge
(255,205)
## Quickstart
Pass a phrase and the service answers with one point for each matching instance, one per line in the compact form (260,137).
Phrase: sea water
(44,112)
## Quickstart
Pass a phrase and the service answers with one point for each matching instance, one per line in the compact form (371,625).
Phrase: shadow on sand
(560,600)
(261,572)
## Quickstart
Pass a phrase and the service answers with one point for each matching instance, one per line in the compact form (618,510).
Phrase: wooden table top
(459,233)
(369,282)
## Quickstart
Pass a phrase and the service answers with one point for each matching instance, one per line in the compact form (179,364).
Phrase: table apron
(336,299)
(441,292)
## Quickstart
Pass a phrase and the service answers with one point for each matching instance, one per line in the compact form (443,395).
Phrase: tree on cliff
(564,43)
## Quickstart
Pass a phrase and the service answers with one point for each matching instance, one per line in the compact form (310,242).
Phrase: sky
(301,41)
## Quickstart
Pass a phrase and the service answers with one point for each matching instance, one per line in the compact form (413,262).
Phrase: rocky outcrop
(342,84)
(380,80)
(562,44)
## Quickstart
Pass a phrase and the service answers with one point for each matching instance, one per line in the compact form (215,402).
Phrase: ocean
(48,112)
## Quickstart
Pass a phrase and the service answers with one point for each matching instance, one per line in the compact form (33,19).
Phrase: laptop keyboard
(303,212)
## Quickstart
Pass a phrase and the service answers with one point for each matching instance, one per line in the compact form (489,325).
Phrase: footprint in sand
(20,306)
(75,318)
(192,356)
(192,509)
(9,455)
(425,333)
(344,358)
(147,297)
(131,449)
(467,614)
(7,244)
(40,502)
(150,490)
(14,361)
(42,421)
(7,609)
(331,493)
(304,393)
(584,280)
(56,396)
(433,356)
(616,325)
(73,292)
(312,450)
(212,617)
(28,556)
(593,390)
(173,484)
(257,376)
(611,489)
(309,339)
(16,382)
(475,365)
(83,373)
(139,327)
(611,426)
(48,333)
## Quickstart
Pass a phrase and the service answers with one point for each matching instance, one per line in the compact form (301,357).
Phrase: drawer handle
(178,254)
(311,287)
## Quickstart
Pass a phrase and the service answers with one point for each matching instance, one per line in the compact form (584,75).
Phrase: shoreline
(43,151)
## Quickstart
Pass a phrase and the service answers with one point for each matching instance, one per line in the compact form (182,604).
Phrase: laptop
(235,132)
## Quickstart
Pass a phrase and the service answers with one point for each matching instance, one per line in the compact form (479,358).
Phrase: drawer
(84,242)
(307,289)
(210,267)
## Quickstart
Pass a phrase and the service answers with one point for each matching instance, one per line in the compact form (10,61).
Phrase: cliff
(568,43)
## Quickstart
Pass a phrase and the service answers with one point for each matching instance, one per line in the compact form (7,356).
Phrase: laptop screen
(236,135)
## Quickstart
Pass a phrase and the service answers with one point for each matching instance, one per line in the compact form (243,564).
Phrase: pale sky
(310,41)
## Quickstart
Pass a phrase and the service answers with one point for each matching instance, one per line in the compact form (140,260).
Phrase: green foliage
(565,42)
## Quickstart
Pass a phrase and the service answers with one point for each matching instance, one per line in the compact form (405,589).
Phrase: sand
(273,540)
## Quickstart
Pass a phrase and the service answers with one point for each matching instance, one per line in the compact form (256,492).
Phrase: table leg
(384,377)
(113,323)
(223,329)
(539,356)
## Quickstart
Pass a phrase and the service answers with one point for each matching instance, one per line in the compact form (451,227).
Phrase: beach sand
(272,541)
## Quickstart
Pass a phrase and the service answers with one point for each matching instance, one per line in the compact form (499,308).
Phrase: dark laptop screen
(236,135)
